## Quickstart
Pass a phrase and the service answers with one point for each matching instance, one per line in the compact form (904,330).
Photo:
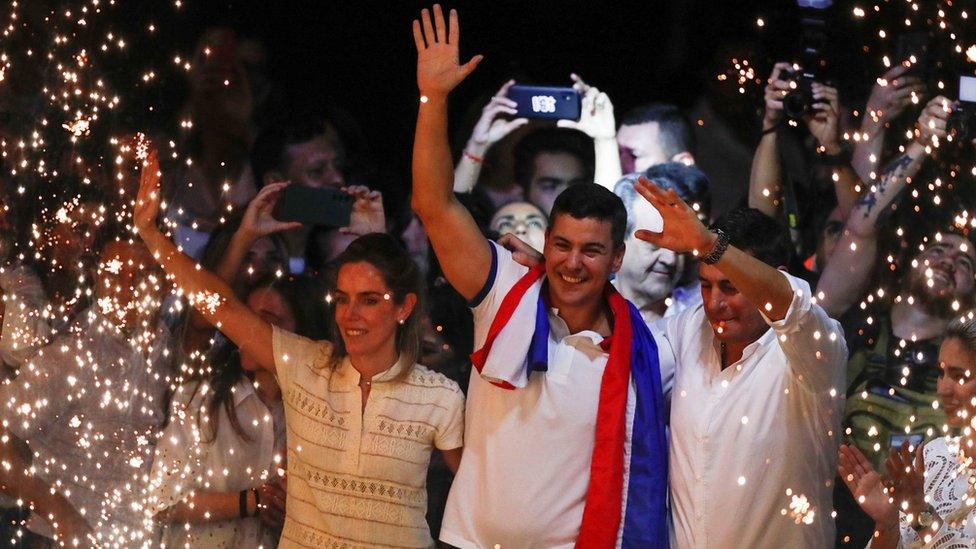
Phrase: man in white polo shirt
(550,462)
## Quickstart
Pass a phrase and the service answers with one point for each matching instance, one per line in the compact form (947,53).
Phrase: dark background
(360,55)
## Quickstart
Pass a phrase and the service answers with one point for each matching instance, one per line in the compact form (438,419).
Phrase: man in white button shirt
(758,394)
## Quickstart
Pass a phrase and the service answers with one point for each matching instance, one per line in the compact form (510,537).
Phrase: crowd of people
(600,351)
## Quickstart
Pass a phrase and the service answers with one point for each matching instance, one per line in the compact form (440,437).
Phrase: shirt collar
(560,330)
(350,376)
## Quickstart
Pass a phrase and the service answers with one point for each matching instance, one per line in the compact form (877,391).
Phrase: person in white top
(226,436)
(362,416)
(87,409)
(758,391)
(929,496)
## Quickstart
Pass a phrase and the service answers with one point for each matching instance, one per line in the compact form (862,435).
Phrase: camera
(962,120)
(799,101)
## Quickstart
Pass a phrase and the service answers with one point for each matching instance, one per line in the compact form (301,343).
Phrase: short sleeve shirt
(357,477)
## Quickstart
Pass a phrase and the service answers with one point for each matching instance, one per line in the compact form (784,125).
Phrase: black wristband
(770,129)
(721,244)
(257,501)
(242,503)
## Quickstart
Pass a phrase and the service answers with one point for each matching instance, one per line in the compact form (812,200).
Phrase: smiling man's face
(943,274)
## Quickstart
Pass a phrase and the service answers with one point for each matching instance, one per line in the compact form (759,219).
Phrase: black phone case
(546,102)
(311,206)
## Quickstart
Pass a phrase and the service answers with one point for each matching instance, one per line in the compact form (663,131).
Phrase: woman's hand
(492,127)
(367,212)
(906,469)
(148,198)
(258,220)
(438,64)
(865,485)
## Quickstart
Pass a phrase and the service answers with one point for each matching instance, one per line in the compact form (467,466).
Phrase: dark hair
(305,298)
(551,140)
(689,182)
(755,232)
(270,154)
(216,246)
(674,130)
(400,274)
(594,202)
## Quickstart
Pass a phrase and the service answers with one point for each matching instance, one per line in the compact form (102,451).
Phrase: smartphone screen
(546,103)
(325,207)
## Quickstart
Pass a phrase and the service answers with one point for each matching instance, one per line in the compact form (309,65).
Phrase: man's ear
(618,258)
(684,157)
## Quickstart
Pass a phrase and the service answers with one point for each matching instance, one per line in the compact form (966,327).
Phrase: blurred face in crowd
(331,243)
(641,147)
(366,311)
(957,381)
(648,274)
(580,257)
(272,308)
(71,232)
(315,163)
(263,258)
(524,220)
(943,274)
(734,319)
(128,283)
(415,239)
(554,171)
(832,230)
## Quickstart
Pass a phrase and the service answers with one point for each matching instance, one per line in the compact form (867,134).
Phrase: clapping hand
(439,69)
(865,485)
(906,469)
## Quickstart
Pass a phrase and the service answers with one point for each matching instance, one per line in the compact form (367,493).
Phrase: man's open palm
(439,68)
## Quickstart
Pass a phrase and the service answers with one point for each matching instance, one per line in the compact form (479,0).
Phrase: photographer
(767,191)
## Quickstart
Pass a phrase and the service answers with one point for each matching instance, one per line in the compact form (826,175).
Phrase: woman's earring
(401,321)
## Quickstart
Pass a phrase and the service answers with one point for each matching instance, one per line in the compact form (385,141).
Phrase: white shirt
(751,443)
(25,328)
(947,481)
(190,458)
(90,406)
(526,468)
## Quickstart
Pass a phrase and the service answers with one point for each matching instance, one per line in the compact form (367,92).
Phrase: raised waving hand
(439,69)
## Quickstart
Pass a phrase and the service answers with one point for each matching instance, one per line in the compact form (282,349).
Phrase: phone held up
(546,102)
(325,206)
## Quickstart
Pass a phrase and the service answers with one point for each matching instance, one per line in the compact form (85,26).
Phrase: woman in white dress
(226,436)
(928,497)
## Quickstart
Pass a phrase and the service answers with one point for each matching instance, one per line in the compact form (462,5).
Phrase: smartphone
(914,44)
(325,206)
(545,102)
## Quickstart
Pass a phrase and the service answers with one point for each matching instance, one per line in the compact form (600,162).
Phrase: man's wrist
(436,98)
(769,123)
(476,148)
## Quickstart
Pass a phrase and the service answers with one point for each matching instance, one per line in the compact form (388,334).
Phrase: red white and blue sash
(632,355)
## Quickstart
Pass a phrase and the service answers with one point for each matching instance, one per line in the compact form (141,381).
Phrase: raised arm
(210,295)
(890,96)
(461,249)
(766,177)
(491,128)
(597,121)
(683,232)
(846,277)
